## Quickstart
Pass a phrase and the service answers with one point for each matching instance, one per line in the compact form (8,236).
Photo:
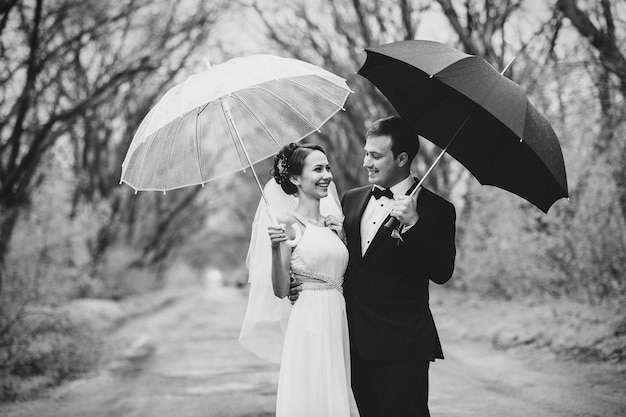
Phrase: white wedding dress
(314,378)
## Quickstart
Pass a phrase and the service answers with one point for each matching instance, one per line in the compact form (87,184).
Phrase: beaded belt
(321,286)
(327,284)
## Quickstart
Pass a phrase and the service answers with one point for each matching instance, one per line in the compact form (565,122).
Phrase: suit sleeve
(433,237)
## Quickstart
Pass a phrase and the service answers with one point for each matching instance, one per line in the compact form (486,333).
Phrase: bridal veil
(266,315)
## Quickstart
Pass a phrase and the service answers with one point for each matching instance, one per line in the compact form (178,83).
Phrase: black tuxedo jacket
(386,289)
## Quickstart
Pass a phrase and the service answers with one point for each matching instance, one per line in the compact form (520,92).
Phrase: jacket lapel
(354,218)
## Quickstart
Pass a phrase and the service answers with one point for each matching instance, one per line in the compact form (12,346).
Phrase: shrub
(42,347)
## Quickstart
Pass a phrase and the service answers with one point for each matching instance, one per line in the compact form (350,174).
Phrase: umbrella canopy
(464,106)
(227,118)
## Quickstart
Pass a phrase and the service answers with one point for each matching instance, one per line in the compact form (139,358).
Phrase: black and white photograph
(312,208)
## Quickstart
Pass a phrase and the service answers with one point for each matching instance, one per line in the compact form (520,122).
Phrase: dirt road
(185,361)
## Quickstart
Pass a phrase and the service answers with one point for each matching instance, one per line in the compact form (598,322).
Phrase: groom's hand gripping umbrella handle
(393,223)
(290,242)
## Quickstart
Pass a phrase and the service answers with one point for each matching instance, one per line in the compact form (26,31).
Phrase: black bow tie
(381,192)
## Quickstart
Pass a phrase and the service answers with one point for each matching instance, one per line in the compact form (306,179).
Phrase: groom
(393,337)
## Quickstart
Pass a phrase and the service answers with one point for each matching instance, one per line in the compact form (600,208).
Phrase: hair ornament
(282,168)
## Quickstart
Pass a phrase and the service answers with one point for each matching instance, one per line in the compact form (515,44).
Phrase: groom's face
(382,167)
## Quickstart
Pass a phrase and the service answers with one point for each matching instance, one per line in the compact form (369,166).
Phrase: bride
(314,377)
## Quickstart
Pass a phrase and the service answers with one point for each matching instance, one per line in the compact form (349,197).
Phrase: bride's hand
(295,286)
(277,234)
(336,225)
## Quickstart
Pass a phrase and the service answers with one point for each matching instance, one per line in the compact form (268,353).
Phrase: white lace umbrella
(229,117)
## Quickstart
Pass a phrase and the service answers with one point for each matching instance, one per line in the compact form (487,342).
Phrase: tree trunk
(8,219)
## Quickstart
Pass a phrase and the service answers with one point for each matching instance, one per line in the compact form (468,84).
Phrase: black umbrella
(464,106)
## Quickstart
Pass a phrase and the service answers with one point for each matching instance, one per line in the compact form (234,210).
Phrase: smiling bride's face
(316,176)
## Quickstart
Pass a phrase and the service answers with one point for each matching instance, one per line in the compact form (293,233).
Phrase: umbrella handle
(290,242)
(293,242)
(392,222)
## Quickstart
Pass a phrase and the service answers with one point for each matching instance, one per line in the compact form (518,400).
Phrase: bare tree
(66,66)
(598,25)
(481,29)
(569,64)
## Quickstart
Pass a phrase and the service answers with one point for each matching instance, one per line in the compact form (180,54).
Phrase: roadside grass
(560,326)
(43,346)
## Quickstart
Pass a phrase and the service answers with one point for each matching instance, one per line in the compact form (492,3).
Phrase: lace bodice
(320,254)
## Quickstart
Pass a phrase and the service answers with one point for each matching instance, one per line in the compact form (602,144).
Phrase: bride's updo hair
(289,162)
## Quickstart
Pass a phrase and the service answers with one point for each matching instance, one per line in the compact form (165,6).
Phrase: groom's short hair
(403,137)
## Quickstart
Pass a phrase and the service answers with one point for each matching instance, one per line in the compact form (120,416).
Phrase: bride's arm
(281,257)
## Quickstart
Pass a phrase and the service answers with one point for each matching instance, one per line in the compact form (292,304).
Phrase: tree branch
(464,37)
(405,10)
(604,42)
(24,101)
(361,19)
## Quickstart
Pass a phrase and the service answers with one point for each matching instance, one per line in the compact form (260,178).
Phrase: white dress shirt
(377,211)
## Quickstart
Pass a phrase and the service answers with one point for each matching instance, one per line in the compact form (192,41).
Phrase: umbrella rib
(143,161)
(312,91)
(132,149)
(233,95)
(169,158)
(291,107)
(198,146)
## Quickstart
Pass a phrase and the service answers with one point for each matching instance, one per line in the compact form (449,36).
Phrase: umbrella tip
(207,62)
(135,192)
(164,192)
(202,184)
